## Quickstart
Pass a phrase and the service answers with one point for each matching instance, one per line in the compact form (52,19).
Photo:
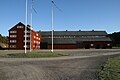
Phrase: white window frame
(92,45)
(19,26)
(12,46)
(34,37)
(13,31)
(13,36)
(37,34)
(108,44)
(13,41)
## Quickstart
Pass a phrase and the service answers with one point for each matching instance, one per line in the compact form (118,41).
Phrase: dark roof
(20,23)
(72,40)
(98,33)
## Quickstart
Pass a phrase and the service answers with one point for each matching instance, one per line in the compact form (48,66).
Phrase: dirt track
(63,69)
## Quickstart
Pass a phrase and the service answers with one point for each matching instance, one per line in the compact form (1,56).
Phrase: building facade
(76,39)
(17,37)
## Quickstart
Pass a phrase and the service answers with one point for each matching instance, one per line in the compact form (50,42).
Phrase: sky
(76,15)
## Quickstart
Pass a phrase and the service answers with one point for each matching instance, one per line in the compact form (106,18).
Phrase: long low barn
(75,40)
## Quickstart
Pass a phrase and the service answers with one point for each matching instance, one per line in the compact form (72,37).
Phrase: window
(13,36)
(19,26)
(36,34)
(108,44)
(13,31)
(12,46)
(13,41)
(92,44)
(33,45)
(34,37)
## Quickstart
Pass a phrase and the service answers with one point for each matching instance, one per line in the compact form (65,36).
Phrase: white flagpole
(53,4)
(26,26)
(52,25)
(31,29)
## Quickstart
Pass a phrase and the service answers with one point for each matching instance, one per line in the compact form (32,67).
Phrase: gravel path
(52,69)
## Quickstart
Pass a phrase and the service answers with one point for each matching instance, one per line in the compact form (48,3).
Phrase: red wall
(20,38)
(35,45)
(63,46)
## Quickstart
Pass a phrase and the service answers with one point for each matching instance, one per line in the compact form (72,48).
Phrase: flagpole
(31,28)
(52,25)
(26,26)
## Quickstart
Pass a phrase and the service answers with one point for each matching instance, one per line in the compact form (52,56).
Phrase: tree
(4,39)
(0,35)
(115,38)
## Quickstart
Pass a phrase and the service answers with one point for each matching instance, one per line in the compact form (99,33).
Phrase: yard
(41,54)
(111,69)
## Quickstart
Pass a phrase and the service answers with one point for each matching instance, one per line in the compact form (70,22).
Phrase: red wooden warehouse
(76,39)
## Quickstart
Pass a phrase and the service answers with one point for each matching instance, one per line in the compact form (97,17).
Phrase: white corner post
(26,27)
(52,25)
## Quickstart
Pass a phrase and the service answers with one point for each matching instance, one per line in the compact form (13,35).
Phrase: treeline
(3,39)
(115,39)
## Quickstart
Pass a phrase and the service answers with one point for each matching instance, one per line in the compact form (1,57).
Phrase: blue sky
(75,15)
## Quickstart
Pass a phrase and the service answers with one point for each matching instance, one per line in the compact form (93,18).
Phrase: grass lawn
(111,70)
(34,55)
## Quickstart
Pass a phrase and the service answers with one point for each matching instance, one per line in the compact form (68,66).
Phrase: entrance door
(87,46)
(79,44)
(43,45)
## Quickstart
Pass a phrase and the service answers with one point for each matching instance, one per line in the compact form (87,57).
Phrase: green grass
(34,55)
(111,70)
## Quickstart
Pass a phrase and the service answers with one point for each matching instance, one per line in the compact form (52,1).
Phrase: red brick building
(17,38)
